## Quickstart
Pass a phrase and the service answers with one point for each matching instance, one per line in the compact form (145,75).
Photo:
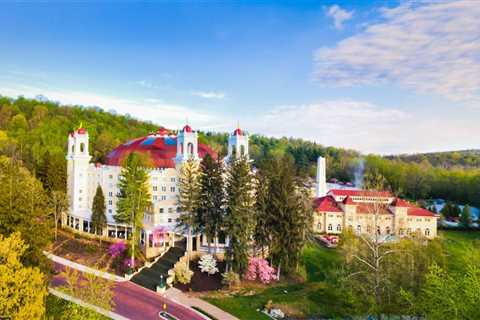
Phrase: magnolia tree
(208,264)
(258,268)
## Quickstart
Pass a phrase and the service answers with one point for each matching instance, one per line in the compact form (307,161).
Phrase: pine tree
(133,198)
(211,209)
(261,233)
(466,216)
(188,199)
(239,219)
(289,210)
(99,219)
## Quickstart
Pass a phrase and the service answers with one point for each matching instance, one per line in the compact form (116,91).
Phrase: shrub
(117,249)
(182,273)
(208,264)
(258,268)
(231,279)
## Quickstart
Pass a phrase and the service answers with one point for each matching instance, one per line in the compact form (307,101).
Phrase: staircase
(150,277)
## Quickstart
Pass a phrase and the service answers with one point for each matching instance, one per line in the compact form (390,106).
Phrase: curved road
(137,303)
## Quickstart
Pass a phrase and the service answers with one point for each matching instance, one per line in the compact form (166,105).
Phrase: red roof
(417,211)
(360,193)
(237,132)
(187,128)
(401,203)
(326,204)
(162,150)
(81,131)
(348,200)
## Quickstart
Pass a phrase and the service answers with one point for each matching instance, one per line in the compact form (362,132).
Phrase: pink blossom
(258,268)
(117,249)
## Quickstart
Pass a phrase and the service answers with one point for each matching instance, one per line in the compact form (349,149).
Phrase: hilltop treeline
(35,131)
(448,159)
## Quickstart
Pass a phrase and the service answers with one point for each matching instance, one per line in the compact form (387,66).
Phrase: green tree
(134,197)
(211,208)
(263,222)
(466,216)
(22,289)
(188,199)
(58,203)
(289,211)
(99,218)
(24,208)
(239,218)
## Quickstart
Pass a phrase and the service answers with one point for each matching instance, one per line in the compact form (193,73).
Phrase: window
(163,198)
(154,198)
(161,210)
(154,188)
(378,230)
(359,228)
(409,231)
(164,188)
(339,227)
(401,231)
(110,211)
(427,232)
(110,202)
(369,229)
(172,189)
(172,179)
(80,191)
(110,176)
(110,194)
(330,227)
(169,220)
(388,230)
(319,226)
(170,210)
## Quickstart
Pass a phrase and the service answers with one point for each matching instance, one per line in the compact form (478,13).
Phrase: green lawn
(313,297)
(59,309)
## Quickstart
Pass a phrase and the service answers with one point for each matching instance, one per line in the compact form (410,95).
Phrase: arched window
(339,227)
(190,148)
(73,148)
(242,150)
(82,147)
(330,227)
(319,226)
(427,232)
(359,228)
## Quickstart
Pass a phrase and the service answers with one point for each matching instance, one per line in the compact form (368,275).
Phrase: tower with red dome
(187,145)
(237,145)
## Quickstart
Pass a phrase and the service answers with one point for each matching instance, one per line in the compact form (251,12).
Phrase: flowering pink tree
(158,235)
(258,268)
(117,249)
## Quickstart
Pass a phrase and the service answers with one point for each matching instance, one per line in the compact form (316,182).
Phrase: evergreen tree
(211,209)
(261,233)
(188,199)
(99,219)
(290,212)
(239,219)
(133,198)
(466,216)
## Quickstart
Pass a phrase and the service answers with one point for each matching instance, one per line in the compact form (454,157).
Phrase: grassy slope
(313,296)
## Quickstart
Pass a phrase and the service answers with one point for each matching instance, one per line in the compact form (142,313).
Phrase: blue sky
(385,77)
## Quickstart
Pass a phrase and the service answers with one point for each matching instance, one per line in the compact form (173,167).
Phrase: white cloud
(155,110)
(209,94)
(146,84)
(367,127)
(338,15)
(430,47)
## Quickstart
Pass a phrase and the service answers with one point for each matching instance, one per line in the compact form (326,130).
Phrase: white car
(166,316)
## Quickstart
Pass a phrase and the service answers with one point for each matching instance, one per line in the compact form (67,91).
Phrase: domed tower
(237,145)
(78,160)
(187,145)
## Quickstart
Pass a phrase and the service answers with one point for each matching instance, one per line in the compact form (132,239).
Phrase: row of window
(401,232)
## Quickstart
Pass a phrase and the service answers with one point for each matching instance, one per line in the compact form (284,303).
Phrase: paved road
(137,303)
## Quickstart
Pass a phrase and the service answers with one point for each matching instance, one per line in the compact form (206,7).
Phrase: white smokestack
(321,177)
